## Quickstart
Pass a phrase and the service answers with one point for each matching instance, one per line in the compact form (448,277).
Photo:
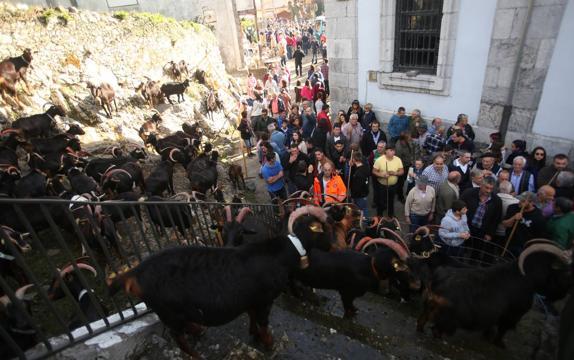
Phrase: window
(417,35)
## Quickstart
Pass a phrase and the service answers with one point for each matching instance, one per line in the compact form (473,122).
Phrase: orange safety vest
(335,187)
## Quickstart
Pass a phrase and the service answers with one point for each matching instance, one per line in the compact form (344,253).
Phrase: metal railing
(61,232)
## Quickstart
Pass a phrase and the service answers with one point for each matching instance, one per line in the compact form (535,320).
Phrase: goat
(8,179)
(149,127)
(160,179)
(151,92)
(169,216)
(104,95)
(97,167)
(121,178)
(202,172)
(235,173)
(83,184)
(480,298)
(69,276)
(212,103)
(39,125)
(192,286)
(14,321)
(11,71)
(32,185)
(56,143)
(178,89)
(9,267)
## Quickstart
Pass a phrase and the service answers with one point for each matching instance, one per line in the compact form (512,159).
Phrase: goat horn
(295,199)
(423,230)
(242,213)
(539,241)
(542,247)
(44,106)
(396,247)
(399,238)
(362,242)
(228,214)
(22,291)
(315,211)
(5,300)
(155,111)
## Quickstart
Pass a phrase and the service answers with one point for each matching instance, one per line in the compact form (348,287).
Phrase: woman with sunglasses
(536,160)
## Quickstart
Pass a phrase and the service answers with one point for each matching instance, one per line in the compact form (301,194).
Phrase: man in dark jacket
(290,164)
(547,175)
(298,56)
(484,214)
(531,223)
(462,165)
(335,136)
(371,138)
(360,177)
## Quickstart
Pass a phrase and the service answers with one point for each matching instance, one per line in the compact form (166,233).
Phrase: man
(272,173)
(398,123)
(447,193)
(328,186)
(372,137)
(488,165)
(260,126)
(561,226)
(353,130)
(325,72)
(336,135)
(368,117)
(545,200)
(320,160)
(420,204)
(415,122)
(324,115)
(387,170)
(529,222)
(547,175)
(309,122)
(476,177)
(565,184)
(522,180)
(462,165)
(290,164)
(505,191)
(423,133)
(435,142)
(298,55)
(357,109)
(460,142)
(340,157)
(436,173)
(435,125)
(359,182)
(484,210)
(278,140)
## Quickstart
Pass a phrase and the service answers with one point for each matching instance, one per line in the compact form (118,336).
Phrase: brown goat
(11,71)
(151,92)
(149,127)
(104,96)
(235,173)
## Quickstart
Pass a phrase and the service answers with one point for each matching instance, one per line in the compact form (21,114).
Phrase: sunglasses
(539,154)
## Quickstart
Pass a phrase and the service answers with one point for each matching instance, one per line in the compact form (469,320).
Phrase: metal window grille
(417,35)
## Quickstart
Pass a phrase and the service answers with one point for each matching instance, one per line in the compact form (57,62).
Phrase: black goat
(56,143)
(83,184)
(178,89)
(9,267)
(202,172)
(169,215)
(121,178)
(97,167)
(8,179)
(192,286)
(32,185)
(480,298)
(39,125)
(15,323)
(69,276)
(160,179)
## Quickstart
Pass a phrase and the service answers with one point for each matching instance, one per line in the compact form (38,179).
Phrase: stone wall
(224,18)
(343,51)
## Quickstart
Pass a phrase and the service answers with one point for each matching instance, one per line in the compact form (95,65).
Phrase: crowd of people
(473,193)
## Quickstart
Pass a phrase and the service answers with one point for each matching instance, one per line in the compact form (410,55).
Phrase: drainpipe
(507,109)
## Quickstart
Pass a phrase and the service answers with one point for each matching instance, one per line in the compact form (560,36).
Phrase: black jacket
(493,214)
(367,142)
(360,177)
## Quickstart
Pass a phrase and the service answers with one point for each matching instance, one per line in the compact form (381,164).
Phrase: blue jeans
(416,221)
(363,204)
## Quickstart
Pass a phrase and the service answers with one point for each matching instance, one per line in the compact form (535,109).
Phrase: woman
(342,118)
(259,104)
(536,160)
(296,139)
(454,230)
(310,72)
(297,90)
(246,133)
(407,150)
(307,91)
(321,100)
(462,124)
(251,83)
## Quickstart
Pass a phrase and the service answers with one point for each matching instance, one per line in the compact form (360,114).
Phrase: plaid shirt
(435,178)
(434,143)
(479,214)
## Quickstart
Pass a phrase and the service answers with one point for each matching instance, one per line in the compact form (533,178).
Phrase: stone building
(504,63)
(221,14)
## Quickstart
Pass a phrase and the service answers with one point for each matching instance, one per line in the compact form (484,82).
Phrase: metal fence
(67,235)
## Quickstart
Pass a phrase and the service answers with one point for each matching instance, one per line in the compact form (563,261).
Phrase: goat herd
(191,287)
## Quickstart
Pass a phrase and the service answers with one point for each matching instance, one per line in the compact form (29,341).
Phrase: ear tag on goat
(418,238)
(304,262)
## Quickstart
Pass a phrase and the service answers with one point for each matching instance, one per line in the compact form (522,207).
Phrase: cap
(422,180)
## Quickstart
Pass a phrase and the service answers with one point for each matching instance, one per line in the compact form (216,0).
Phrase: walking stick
(554,177)
(387,187)
(513,230)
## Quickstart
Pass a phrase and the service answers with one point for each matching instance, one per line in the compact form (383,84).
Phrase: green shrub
(63,17)
(154,18)
(120,15)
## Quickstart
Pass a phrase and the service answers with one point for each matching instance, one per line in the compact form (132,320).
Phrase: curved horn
(194,195)
(542,247)
(242,213)
(22,291)
(396,247)
(423,230)
(302,199)
(315,211)
(155,111)
(399,238)
(540,241)
(80,265)
(362,242)
(48,103)
(228,216)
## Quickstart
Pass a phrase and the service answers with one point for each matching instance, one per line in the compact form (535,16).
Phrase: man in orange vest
(328,186)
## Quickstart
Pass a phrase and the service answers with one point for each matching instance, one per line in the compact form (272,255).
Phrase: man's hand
(518,216)
(465,235)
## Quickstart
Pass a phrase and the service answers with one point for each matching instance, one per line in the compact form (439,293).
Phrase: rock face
(122,49)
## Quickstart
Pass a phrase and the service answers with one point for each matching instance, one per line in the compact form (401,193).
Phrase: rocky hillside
(73,47)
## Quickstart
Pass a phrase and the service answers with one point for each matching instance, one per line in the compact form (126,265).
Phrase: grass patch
(192,25)
(63,16)
(120,15)
(154,18)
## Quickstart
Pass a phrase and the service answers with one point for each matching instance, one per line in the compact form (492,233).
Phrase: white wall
(475,23)
(554,111)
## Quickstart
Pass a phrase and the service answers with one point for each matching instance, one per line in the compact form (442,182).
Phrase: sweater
(451,227)
(419,203)
(397,125)
(561,229)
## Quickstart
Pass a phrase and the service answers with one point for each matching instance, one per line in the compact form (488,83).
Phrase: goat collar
(26,61)
(425,254)
(304,260)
